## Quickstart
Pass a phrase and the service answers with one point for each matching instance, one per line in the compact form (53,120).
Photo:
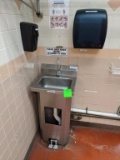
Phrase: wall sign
(58,1)
(59,18)
(58,14)
(56,51)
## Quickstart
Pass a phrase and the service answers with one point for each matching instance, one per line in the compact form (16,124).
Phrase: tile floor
(84,144)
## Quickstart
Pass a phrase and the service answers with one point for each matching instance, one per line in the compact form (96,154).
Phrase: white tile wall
(94,84)
(11,21)
(3,57)
(10,36)
(113,33)
(1,41)
(12,52)
(3,23)
(2,6)
(7,38)
(17,119)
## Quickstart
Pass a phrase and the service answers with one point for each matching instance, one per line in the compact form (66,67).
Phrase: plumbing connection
(55,114)
(96,113)
(35,9)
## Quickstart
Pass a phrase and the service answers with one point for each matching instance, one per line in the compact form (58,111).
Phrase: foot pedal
(50,146)
(55,147)
(53,144)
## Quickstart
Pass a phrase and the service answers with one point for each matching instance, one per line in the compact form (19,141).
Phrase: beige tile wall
(96,88)
(52,37)
(17,109)
(17,113)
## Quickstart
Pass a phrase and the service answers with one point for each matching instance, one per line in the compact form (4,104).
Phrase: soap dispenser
(29,34)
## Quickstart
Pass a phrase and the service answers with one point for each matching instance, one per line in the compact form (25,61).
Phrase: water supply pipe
(55,114)
(28,5)
(37,9)
(96,113)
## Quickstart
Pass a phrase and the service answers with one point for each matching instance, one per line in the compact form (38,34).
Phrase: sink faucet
(58,67)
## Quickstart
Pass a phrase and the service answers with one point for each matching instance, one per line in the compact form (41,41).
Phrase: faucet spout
(58,67)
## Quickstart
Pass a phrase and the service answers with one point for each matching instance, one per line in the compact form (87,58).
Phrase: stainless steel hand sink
(49,82)
(49,79)
(53,83)
(53,105)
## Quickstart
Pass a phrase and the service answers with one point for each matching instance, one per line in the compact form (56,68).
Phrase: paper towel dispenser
(29,34)
(89,28)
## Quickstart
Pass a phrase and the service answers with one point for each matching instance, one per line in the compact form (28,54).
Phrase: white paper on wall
(56,51)
(59,14)
(58,1)
(59,18)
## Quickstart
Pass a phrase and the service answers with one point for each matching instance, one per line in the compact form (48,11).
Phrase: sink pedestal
(54,109)
(50,128)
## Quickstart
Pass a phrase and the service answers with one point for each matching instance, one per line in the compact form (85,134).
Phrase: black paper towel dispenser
(90,28)
(29,33)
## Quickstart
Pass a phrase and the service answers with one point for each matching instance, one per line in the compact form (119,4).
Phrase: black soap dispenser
(29,34)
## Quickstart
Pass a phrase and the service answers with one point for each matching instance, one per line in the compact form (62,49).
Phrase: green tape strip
(67,93)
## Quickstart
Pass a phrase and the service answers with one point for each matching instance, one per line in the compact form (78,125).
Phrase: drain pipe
(38,13)
(55,114)
(28,5)
(38,6)
(37,9)
(95,113)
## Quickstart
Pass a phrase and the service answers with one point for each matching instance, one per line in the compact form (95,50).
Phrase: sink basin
(49,82)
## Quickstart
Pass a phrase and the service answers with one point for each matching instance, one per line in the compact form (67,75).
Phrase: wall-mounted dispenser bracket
(35,9)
